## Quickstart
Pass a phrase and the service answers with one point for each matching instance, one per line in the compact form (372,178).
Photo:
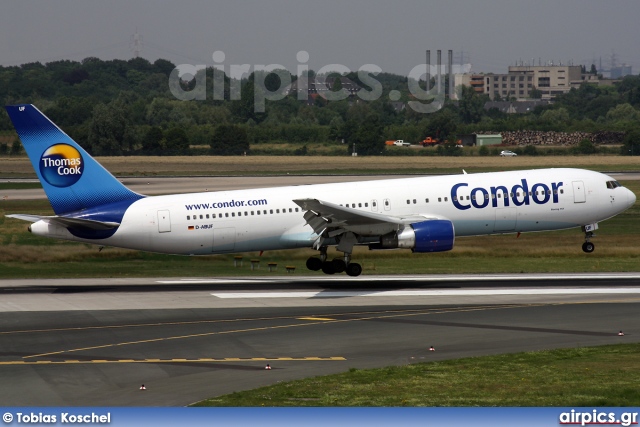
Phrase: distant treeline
(122,107)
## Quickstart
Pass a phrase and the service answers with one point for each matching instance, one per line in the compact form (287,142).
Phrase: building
(475,81)
(518,83)
(324,86)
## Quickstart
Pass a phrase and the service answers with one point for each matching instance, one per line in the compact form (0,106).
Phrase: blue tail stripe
(71,178)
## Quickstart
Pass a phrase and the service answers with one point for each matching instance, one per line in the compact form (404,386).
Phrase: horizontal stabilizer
(67,222)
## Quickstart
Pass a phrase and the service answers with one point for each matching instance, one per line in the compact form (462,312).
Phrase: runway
(94,342)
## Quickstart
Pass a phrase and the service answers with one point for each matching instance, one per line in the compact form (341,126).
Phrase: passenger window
(207,216)
(200,216)
(408,202)
(366,205)
(226,215)
(426,200)
(233,214)
(213,215)
(188,217)
(439,199)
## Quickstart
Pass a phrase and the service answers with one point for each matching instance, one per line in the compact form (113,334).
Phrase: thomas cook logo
(61,165)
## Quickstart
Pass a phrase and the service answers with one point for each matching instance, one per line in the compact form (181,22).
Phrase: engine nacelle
(427,236)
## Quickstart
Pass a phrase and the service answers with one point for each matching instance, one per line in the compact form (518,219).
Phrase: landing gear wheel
(314,264)
(588,247)
(354,269)
(327,267)
(338,264)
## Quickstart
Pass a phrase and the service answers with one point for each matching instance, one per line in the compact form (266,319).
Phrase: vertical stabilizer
(71,178)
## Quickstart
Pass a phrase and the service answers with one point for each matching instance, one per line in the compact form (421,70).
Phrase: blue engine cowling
(427,236)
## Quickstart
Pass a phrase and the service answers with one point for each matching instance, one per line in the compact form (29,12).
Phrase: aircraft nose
(631,197)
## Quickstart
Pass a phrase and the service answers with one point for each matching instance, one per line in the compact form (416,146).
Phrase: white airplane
(423,214)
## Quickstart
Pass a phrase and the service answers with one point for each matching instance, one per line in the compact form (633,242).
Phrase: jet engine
(427,236)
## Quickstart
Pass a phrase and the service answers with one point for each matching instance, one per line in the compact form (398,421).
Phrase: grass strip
(605,376)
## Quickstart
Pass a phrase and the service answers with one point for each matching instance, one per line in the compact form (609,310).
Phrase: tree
(585,147)
(336,85)
(229,140)
(16,148)
(471,105)
(153,141)
(176,142)
(535,93)
(441,124)
(623,112)
(368,137)
(107,131)
(631,145)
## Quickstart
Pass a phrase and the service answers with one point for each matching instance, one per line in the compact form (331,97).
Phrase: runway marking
(293,325)
(314,318)
(199,360)
(363,316)
(429,292)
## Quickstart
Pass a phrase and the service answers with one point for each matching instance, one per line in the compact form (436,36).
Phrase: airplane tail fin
(71,178)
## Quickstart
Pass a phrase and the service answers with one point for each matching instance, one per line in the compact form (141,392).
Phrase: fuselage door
(164,222)
(578,192)
(387,204)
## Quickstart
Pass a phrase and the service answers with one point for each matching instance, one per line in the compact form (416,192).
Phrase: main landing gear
(336,265)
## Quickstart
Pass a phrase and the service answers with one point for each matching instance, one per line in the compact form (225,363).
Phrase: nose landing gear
(587,246)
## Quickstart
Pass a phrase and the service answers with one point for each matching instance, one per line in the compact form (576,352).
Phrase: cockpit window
(613,184)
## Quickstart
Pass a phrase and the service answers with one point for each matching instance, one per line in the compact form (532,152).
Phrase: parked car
(507,153)
(401,143)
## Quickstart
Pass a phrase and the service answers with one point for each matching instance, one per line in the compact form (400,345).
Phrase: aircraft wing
(336,219)
(67,222)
